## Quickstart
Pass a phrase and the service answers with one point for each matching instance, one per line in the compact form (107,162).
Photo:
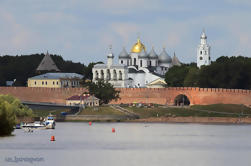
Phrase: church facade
(136,69)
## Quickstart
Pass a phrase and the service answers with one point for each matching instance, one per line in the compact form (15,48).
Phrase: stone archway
(181,100)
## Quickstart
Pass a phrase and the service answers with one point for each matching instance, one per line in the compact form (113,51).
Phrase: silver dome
(124,54)
(143,54)
(153,55)
(164,57)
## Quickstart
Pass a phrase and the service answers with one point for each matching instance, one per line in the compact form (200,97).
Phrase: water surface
(133,144)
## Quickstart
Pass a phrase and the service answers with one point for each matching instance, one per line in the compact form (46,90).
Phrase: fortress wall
(145,95)
(49,95)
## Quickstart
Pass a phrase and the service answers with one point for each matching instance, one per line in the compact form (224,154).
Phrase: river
(132,144)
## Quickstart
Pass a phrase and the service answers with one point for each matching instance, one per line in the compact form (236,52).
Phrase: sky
(82,30)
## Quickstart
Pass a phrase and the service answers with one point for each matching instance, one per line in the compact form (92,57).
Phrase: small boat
(36,124)
(50,122)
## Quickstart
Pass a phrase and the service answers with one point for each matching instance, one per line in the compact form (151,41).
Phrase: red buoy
(53,138)
(90,123)
(113,130)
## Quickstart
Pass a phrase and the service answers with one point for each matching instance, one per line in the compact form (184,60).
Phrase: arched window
(108,75)
(114,75)
(120,75)
(53,82)
(35,83)
(102,74)
(200,52)
(42,82)
(96,75)
(201,58)
(121,61)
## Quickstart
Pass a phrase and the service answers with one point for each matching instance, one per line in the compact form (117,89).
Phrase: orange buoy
(53,138)
(90,123)
(113,130)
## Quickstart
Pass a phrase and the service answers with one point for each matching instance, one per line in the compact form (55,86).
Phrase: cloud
(16,36)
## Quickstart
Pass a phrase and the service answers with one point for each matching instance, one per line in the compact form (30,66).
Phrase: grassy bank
(215,110)
(102,110)
(46,112)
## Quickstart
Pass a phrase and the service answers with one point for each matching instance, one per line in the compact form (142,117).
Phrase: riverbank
(217,113)
(206,120)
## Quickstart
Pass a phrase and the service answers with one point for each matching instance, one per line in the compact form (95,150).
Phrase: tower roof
(47,64)
(153,54)
(203,35)
(143,54)
(110,54)
(164,57)
(175,60)
(124,54)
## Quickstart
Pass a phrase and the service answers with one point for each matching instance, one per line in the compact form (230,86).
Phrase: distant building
(55,80)
(47,64)
(203,51)
(136,69)
(158,83)
(9,83)
(85,99)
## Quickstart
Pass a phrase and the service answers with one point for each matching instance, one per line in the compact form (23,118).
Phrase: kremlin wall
(164,96)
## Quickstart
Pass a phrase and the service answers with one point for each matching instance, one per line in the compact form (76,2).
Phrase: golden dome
(138,47)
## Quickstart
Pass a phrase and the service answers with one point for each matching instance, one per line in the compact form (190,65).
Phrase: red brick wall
(52,95)
(130,95)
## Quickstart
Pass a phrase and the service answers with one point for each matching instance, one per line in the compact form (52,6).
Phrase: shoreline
(206,120)
(190,119)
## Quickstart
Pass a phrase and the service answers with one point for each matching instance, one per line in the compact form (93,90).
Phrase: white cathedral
(140,69)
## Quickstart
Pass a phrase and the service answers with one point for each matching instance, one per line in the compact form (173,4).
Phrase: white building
(203,51)
(136,69)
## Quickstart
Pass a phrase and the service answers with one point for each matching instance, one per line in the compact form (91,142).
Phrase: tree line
(225,72)
(20,68)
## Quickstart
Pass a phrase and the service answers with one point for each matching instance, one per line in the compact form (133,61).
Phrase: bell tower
(203,51)
(110,57)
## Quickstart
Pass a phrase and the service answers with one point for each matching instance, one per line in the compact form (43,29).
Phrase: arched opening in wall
(102,74)
(96,75)
(181,100)
(120,75)
(108,75)
(114,75)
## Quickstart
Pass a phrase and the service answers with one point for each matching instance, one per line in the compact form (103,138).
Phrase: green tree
(176,75)
(87,71)
(10,109)
(103,90)
(192,77)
